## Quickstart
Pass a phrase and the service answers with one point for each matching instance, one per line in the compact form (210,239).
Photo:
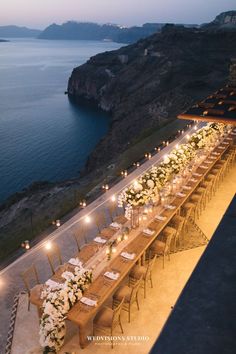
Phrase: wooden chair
(120,219)
(130,296)
(108,319)
(100,221)
(186,211)
(54,258)
(30,279)
(143,271)
(177,223)
(79,236)
(163,248)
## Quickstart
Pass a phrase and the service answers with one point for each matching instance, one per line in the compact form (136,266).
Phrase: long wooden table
(103,288)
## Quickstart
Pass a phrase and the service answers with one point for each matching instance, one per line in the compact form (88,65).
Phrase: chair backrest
(188,213)
(135,289)
(100,221)
(116,313)
(112,210)
(168,241)
(150,265)
(30,278)
(80,237)
(180,225)
(54,257)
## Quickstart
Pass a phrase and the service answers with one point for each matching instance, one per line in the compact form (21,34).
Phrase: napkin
(75,261)
(52,284)
(111,275)
(197,174)
(182,195)
(87,301)
(160,218)
(128,255)
(115,225)
(187,188)
(148,232)
(99,239)
(171,207)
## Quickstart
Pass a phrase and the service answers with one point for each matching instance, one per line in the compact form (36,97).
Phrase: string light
(58,223)
(137,164)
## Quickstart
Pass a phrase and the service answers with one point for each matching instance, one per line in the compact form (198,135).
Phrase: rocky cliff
(145,85)
(226,21)
(93,31)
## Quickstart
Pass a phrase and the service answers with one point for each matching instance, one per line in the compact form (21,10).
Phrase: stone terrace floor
(154,310)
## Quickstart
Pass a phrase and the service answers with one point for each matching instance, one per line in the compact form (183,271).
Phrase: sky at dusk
(41,13)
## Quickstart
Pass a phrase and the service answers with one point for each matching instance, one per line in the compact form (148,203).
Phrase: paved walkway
(10,280)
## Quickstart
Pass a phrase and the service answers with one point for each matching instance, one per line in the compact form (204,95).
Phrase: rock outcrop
(145,85)
(226,21)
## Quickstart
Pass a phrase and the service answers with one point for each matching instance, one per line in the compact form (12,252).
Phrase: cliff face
(226,21)
(145,85)
(94,31)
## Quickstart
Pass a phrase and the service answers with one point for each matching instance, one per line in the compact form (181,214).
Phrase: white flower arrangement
(148,185)
(57,303)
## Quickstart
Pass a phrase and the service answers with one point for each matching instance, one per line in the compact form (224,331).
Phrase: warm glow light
(107,251)
(188,136)
(119,238)
(113,250)
(195,127)
(27,245)
(177,146)
(126,237)
(1,283)
(58,223)
(87,219)
(149,155)
(113,198)
(137,164)
(48,245)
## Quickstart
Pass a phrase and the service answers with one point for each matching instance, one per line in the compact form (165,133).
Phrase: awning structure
(219,107)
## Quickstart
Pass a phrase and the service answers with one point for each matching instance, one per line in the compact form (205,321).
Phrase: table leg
(84,332)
